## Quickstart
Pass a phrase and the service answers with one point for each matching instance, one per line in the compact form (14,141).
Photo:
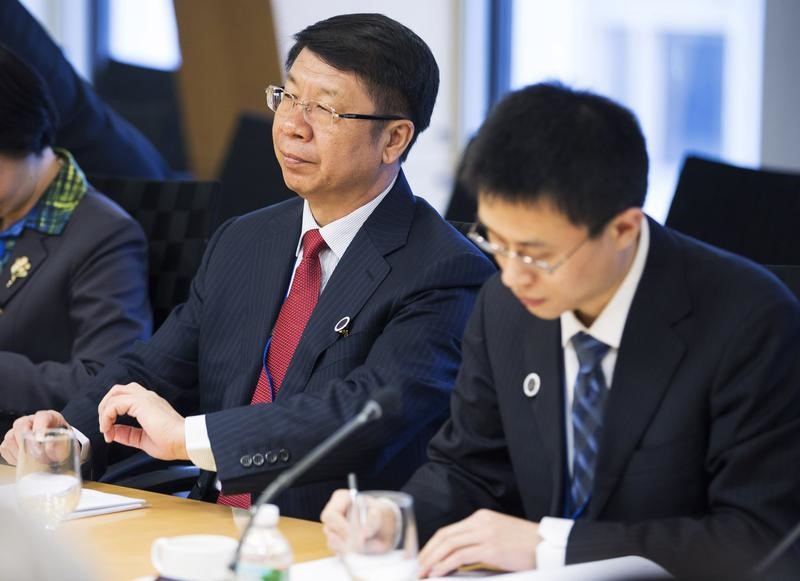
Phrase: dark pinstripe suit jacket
(408,282)
(701,439)
(83,303)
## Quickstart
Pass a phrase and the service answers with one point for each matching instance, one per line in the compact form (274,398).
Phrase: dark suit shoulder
(727,279)
(430,235)
(271,219)
(98,219)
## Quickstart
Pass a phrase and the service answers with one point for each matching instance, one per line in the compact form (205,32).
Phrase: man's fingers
(8,449)
(129,436)
(21,425)
(108,403)
(335,537)
(466,555)
(111,409)
(334,519)
(47,419)
(446,542)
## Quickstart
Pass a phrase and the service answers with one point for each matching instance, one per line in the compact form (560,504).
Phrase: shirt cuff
(85,446)
(551,553)
(198,446)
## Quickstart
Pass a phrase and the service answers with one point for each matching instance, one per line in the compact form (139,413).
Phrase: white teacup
(194,557)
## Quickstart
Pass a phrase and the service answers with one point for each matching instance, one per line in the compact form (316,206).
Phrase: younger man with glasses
(302,310)
(624,389)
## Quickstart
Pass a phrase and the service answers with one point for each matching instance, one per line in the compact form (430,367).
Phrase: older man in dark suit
(301,310)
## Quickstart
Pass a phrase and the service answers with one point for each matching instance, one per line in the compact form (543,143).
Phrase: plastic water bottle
(266,554)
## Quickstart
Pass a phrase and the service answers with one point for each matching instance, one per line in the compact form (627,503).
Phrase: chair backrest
(148,99)
(789,274)
(250,174)
(755,213)
(176,217)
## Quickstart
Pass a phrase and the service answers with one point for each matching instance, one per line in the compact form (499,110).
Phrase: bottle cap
(267,515)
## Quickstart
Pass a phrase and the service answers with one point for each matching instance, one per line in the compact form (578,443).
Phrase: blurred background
(716,77)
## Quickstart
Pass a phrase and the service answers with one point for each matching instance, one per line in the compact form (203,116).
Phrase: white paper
(92,502)
(331,569)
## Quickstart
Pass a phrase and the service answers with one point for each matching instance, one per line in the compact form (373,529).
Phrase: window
(690,70)
(143,33)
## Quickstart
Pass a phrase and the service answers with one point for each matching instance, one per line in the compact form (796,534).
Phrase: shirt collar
(340,233)
(53,210)
(609,325)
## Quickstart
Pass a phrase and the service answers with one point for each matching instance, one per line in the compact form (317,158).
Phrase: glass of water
(381,540)
(48,475)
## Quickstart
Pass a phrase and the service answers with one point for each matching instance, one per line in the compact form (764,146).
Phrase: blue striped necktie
(588,403)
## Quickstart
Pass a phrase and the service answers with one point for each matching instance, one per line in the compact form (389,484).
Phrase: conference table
(118,544)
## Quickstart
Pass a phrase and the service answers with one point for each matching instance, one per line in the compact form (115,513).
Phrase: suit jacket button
(284,455)
(246,460)
(272,457)
(258,459)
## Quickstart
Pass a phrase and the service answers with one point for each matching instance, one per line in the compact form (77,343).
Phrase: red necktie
(292,320)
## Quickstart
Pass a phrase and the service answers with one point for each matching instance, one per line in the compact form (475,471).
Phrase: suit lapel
(544,357)
(30,249)
(649,354)
(358,274)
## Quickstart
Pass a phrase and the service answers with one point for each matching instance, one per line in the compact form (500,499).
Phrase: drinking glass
(48,475)
(381,542)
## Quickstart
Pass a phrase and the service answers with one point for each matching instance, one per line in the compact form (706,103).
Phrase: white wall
(430,165)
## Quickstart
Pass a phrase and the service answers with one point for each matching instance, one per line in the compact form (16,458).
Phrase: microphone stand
(778,551)
(372,411)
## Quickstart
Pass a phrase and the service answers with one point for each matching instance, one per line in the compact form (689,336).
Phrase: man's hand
(335,521)
(372,528)
(38,422)
(499,541)
(162,428)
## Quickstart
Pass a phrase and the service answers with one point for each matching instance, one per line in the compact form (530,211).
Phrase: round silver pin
(341,326)
(531,384)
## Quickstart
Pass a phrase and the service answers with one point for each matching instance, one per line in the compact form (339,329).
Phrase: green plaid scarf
(53,210)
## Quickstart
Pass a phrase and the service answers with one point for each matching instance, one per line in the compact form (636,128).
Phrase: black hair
(582,152)
(28,118)
(395,65)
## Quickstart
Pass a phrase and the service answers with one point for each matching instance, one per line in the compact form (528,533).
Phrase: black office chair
(148,99)
(463,205)
(176,217)
(250,174)
(753,213)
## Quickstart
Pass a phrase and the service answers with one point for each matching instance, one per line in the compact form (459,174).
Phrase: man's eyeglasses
(478,235)
(316,114)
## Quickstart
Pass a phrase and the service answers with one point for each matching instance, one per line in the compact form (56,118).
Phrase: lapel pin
(19,269)
(531,384)
(341,326)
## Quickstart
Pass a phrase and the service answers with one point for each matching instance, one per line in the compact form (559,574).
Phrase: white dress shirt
(608,328)
(337,235)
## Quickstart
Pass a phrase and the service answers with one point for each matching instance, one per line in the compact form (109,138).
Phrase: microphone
(384,400)
(778,552)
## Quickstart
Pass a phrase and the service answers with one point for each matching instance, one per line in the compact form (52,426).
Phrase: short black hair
(582,152)
(28,118)
(395,65)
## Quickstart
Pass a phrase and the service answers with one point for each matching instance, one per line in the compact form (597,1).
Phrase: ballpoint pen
(357,512)
(352,486)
